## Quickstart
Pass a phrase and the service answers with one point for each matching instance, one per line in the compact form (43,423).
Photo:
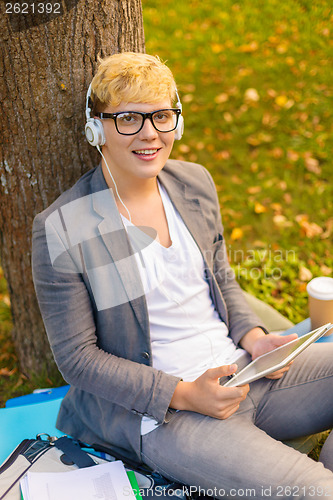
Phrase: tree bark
(47,62)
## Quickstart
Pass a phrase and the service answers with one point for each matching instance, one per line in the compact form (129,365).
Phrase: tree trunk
(48,60)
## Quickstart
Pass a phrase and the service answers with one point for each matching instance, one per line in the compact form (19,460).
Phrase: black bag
(40,455)
(65,454)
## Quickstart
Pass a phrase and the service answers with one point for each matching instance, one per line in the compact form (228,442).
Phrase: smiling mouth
(146,152)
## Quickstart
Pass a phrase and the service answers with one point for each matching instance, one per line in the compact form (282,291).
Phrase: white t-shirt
(186,332)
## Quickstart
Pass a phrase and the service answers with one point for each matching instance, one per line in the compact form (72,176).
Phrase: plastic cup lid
(321,288)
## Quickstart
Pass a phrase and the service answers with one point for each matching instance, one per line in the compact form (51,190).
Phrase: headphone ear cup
(94,132)
(180,129)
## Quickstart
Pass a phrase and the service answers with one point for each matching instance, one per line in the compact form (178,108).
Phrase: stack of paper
(108,481)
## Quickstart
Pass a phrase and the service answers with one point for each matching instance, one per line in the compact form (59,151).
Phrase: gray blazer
(91,299)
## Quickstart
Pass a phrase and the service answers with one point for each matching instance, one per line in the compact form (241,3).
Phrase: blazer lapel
(188,207)
(117,243)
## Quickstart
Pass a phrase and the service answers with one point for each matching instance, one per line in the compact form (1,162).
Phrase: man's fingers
(279,373)
(284,339)
(221,371)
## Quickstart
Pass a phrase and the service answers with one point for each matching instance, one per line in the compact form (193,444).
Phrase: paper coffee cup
(320,291)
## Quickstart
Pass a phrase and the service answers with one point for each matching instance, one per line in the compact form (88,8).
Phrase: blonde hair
(131,77)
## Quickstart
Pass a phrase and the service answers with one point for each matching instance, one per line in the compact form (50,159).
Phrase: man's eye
(128,119)
(162,116)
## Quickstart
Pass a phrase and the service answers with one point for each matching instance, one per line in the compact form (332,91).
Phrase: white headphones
(94,128)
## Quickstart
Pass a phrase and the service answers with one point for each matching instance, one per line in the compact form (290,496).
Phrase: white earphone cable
(115,185)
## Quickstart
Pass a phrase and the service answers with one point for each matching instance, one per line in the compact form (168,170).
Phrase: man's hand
(205,394)
(268,343)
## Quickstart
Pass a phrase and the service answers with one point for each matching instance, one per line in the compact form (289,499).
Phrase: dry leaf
(259,208)
(236,180)
(187,98)
(6,372)
(290,61)
(221,98)
(249,47)
(301,218)
(312,165)
(277,207)
(217,48)
(254,189)
(292,155)
(184,148)
(327,271)
(228,117)
(259,243)
(272,93)
(311,229)
(222,155)
(237,233)
(251,95)
(328,229)
(277,153)
(305,274)
(281,100)
(281,221)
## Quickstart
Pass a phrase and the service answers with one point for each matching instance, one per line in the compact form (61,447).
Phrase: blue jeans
(243,456)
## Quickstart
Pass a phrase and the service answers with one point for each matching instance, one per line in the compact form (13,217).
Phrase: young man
(144,315)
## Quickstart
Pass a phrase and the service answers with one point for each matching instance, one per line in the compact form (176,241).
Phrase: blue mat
(305,327)
(22,422)
(38,396)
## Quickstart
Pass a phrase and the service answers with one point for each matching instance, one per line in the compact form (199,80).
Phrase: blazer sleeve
(69,318)
(241,318)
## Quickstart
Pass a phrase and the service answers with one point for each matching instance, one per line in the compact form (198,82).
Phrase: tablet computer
(276,359)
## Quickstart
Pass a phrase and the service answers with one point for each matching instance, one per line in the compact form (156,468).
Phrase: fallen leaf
(228,117)
(221,98)
(217,48)
(254,189)
(259,243)
(281,100)
(311,229)
(327,271)
(236,180)
(328,229)
(277,207)
(312,165)
(301,217)
(184,148)
(6,300)
(259,208)
(236,233)
(281,221)
(6,372)
(304,274)
(187,98)
(292,155)
(249,47)
(272,93)
(282,48)
(222,155)
(282,185)
(290,61)
(288,198)
(277,153)
(251,95)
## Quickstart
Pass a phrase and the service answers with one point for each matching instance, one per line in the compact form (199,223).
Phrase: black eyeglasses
(131,122)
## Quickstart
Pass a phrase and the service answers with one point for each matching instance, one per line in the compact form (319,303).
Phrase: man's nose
(148,130)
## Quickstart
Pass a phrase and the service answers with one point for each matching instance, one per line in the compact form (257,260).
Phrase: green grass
(268,149)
